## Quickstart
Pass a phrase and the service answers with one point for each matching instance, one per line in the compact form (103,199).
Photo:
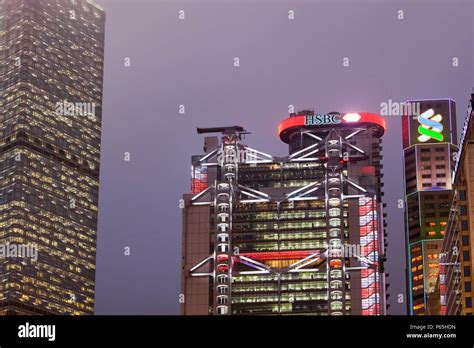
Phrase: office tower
(456,263)
(50,125)
(300,234)
(429,138)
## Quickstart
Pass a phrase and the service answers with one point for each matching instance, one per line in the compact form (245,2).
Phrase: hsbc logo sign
(320,119)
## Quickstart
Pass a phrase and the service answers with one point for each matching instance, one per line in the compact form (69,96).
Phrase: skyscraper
(456,263)
(300,234)
(50,125)
(429,138)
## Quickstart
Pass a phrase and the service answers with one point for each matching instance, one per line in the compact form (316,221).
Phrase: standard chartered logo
(430,126)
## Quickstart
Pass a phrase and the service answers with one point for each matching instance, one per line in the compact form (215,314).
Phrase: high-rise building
(51,54)
(429,138)
(456,264)
(300,234)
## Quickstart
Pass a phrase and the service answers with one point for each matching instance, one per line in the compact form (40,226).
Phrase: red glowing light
(221,258)
(222,268)
(279,255)
(292,123)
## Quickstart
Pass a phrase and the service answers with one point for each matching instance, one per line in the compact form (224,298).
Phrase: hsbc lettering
(322,119)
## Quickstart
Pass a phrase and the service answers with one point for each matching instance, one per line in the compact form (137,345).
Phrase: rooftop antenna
(231,130)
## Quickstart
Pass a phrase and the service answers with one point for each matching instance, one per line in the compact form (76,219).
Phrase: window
(465,240)
(467,286)
(222,279)
(336,295)
(462,195)
(439,158)
(465,255)
(468,302)
(222,248)
(464,225)
(223,237)
(440,166)
(463,210)
(222,299)
(467,271)
(222,310)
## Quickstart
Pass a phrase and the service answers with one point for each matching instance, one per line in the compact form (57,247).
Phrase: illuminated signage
(434,123)
(319,119)
(430,126)
(333,118)
(351,117)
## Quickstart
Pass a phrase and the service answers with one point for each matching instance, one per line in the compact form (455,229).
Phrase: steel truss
(333,151)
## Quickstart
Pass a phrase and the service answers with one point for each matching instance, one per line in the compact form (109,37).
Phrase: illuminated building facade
(300,234)
(50,127)
(429,138)
(456,263)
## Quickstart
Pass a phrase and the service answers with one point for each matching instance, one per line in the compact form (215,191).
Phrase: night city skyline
(254,96)
(167,163)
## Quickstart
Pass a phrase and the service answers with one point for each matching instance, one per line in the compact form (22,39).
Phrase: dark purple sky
(283,62)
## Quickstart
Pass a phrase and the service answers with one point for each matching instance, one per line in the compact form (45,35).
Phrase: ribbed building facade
(456,265)
(52,54)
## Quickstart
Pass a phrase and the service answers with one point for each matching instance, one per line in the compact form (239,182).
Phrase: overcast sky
(282,62)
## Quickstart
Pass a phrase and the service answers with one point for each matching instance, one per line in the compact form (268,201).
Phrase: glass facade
(298,235)
(51,97)
(457,249)
(279,236)
(428,166)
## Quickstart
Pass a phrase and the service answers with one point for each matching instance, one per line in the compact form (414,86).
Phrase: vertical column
(369,237)
(334,223)
(223,220)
